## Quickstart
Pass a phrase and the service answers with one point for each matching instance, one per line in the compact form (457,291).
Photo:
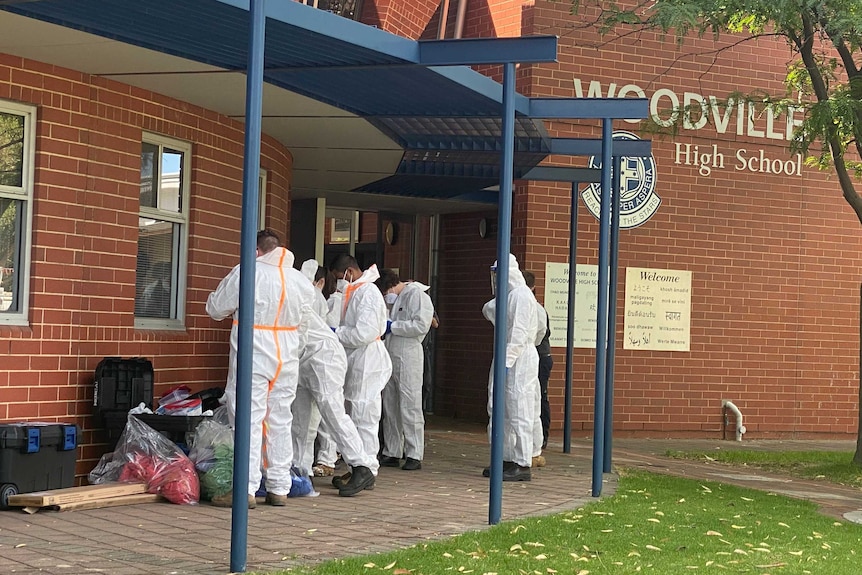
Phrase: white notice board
(658,310)
(557,303)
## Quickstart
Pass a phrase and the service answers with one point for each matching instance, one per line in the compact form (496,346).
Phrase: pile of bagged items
(212,454)
(144,455)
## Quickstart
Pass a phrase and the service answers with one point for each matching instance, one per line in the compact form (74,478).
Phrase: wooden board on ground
(109,502)
(75,494)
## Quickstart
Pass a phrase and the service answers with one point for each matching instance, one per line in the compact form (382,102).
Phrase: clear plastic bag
(145,455)
(212,454)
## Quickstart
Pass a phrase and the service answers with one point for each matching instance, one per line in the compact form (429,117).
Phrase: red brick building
(116,173)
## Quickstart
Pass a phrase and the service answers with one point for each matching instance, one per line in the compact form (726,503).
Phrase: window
(17,154)
(162,233)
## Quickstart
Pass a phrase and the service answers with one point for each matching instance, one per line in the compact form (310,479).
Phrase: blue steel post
(248,245)
(612,313)
(504,231)
(570,323)
(602,312)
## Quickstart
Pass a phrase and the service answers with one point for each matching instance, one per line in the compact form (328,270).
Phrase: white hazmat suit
(320,398)
(522,365)
(368,363)
(282,299)
(404,423)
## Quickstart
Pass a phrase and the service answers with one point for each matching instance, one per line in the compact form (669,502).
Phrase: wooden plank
(75,494)
(109,502)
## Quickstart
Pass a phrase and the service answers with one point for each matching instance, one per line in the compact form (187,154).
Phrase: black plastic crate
(122,384)
(36,456)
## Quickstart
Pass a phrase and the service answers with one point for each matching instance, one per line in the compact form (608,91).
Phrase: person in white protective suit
(368,365)
(546,362)
(283,299)
(305,410)
(521,426)
(320,398)
(409,321)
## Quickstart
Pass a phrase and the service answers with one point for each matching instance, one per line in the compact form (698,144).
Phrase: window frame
(180,241)
(261,198)
(26,195)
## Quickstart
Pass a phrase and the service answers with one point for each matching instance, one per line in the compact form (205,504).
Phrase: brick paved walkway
(448,496)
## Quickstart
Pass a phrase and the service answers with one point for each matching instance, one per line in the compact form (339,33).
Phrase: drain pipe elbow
(740,429)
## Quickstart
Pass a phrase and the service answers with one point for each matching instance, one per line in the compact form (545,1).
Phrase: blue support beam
(602,311)
(570,318)
(563,174)
(591,147)
(616,192)
(474,51)
(589,108)
(248,254)
(504,239)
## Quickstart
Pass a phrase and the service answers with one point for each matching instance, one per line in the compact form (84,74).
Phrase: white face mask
(390,298)
(341,285)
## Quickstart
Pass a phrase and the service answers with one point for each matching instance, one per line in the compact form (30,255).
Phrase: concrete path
(447,497)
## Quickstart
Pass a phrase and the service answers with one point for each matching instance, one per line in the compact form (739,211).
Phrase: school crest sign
(638,200)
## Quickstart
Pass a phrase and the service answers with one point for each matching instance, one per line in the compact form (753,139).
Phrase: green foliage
(653,524)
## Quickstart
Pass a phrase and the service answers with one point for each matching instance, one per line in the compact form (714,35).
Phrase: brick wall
(775,258)
(411,19)
(88,146)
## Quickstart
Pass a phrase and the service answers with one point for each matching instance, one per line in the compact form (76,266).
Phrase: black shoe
(340,480)
(411,464)
(506,465)
(361,479)
(517,473)
(386,461)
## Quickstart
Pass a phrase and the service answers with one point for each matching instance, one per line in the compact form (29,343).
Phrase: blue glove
(332,328)
(388,327)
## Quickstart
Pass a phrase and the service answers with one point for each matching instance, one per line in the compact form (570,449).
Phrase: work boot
(340,480)
(506,465)
(276,500)
(321,470)
(517,473)
(539,461)
(362,478)
(387,461)
(226,500)
(411,464)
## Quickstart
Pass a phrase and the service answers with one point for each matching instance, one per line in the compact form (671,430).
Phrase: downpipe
(729,406)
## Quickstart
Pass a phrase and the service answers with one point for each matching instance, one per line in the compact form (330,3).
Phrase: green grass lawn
(834,466)
(653,524)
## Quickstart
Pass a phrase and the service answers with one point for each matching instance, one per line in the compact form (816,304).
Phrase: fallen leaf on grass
(797,553)
(714,533)
(515,547)
(390,566)
(653,520)
(771,565)
(370,565)
(540,557)
(784,525)
(447,555)
(652,547)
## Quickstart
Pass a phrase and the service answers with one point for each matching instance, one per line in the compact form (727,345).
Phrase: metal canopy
(380,77)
